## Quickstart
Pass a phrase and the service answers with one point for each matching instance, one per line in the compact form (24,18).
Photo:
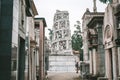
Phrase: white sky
(76,9)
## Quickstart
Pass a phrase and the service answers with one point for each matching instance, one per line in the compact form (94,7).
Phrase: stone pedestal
(61,63)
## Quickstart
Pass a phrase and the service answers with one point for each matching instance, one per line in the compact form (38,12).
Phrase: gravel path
(62,75)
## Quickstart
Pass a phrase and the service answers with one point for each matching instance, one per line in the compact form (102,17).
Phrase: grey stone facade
(96,48)
(104,45)
(13,14)
(111,40)
(93,43)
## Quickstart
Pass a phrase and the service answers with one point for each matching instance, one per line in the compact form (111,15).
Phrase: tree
(50,34)
(106,1)
(77,40)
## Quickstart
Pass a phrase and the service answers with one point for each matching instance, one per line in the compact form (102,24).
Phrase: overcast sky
(76,9)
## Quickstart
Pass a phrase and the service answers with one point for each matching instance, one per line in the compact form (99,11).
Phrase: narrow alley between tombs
(59,39)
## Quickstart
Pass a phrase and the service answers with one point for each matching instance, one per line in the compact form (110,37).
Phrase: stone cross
(94,6)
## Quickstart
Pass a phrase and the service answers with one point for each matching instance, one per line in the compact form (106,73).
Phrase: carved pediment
(108,25)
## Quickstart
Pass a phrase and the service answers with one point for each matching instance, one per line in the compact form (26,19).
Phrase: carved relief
(68,23)
(65,15)
(62,45)
(108,33)
(58,34)
(59,16)
(66,33)
(55,35)
(54,47)
(62,24)
(69,44)
(56,26)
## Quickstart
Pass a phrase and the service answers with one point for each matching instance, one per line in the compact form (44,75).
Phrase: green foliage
(50,33)
(77,39)
(106,1)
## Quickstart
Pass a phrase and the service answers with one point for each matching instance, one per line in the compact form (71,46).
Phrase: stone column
(31,59)
(119,59)
(30,65)
(91,62)
(94,62)
(35,64)
(32,62)
(34,67)
(108,64)
(115,63)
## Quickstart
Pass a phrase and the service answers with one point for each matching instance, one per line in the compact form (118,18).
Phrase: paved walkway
(62,75)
